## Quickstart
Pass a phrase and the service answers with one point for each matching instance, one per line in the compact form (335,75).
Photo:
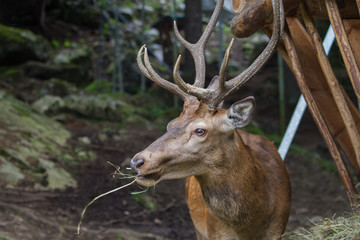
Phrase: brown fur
(237,185)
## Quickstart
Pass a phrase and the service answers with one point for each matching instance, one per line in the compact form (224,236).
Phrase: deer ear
(240,113)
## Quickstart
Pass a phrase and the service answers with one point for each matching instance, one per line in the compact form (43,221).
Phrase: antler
(213,96)
(197,50)
(263,58)
(150,73)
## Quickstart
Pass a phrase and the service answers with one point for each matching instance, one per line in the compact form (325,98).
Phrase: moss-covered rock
(49,104)
(67,56)
(75,64)
(11,76)
(20,45)
(101,107)
(11,175)
(31,147)
(34,80)
(56,87)
(41,70)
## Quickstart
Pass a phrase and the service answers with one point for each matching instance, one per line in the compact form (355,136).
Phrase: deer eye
(200,132)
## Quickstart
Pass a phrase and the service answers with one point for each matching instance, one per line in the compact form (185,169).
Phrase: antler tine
(212,22)
(182,40)
(150,73)
(200,93)
(224,64)
(197,50)
(218,96)
(261,60)
(140,63)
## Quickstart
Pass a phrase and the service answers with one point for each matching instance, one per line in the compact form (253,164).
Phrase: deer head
(191,144)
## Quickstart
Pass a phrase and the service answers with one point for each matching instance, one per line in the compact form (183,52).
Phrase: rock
(31,147)
(10,174)
(29,89)
(20,45)
(102,137)
(11,76)
(49,105)
(67,56)
(55,176)
(75,64)
(56,87)
(101,107)
(74,69)
(41,70)
(84,140)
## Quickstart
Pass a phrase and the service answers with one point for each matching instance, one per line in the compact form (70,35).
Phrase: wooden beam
(344,45)
(319,120)
(333,83)
(252,15)
(352,28)
(316,82)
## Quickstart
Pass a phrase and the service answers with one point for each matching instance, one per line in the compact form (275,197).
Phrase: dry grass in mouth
(117,173)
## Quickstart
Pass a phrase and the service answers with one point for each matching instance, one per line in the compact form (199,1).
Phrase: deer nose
(137,163)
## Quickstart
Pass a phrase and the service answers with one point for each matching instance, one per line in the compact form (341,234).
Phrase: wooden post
(333,83)
(317,84)
(352,29)
(344,45)
(319,120)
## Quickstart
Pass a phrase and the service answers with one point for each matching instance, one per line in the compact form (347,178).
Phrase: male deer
(237,186)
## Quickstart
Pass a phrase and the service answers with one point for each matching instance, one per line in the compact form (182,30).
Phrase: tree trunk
(193,31)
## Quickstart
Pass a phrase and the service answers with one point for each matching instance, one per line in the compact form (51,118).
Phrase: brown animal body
(237,185)
(247,198)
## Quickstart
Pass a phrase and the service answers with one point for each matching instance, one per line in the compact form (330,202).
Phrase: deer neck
(226,191)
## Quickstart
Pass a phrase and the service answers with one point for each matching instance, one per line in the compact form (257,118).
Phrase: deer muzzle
(144,177)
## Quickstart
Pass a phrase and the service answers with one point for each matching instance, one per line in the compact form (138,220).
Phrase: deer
(237,186)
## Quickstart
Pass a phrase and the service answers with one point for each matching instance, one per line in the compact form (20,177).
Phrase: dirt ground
(160,213)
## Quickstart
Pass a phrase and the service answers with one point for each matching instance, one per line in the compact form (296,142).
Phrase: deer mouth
(148,180)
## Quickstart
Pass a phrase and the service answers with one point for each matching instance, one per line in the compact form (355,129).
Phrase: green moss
(10,173)
(25,139)
(99,86)
(57,177)
(21,110)
(11,76)
(68,56)
(16,34)
(100,107)
(19,45)
(11,72)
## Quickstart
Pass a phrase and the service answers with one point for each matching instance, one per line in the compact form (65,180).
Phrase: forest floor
(161,212)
